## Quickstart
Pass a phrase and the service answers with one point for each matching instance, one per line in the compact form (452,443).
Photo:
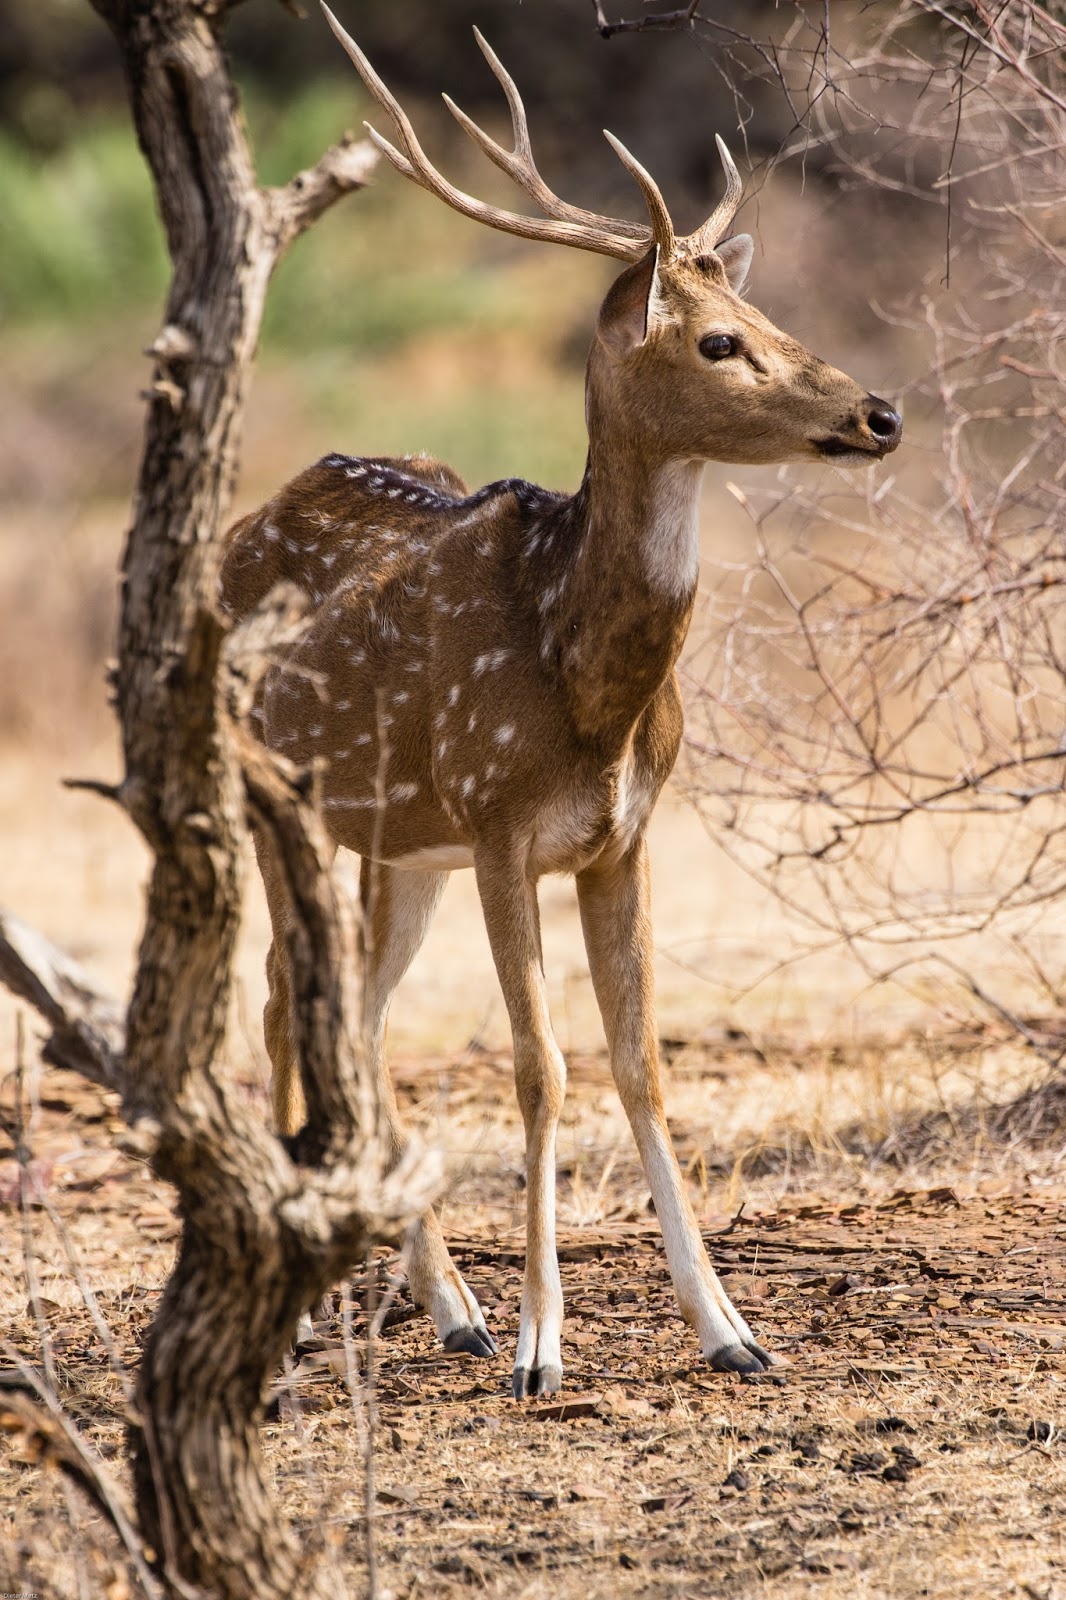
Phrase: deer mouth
(848,450)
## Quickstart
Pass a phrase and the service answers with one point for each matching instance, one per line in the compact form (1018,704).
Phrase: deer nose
(885,424)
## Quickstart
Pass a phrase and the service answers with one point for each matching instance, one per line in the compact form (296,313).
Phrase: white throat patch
(671,541)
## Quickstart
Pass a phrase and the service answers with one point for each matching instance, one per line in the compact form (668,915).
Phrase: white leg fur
(509,902)
(615,916)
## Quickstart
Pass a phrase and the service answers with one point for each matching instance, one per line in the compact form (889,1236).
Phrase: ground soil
(910,1446)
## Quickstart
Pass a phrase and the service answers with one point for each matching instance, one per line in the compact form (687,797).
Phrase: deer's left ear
(633,305)
(735,255)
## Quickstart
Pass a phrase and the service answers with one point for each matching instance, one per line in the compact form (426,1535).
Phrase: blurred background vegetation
(395,325)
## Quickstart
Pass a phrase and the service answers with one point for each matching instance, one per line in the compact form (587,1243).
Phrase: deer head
(680,360)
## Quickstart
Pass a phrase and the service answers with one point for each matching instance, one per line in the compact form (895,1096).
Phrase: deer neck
(625,608)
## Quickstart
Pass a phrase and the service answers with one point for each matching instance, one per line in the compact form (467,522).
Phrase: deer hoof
(749,1361)
(474,1341)
(528,1381)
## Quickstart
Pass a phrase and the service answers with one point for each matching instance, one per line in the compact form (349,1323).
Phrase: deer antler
(720,220)
(565,224)
(519,164)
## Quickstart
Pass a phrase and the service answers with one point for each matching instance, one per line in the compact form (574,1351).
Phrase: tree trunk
(262,1237)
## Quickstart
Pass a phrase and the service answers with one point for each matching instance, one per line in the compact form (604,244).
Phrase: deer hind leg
(509,902)
(398,906)
(615,914)
(286,1091)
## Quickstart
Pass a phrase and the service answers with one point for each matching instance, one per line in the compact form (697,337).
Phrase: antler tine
(602,236)
(386,100)
(519,164)
(661,226)
(720,220)
(522,144)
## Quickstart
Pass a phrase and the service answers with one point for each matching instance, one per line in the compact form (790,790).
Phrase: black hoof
(527,1381)
(475,1341)
(737,1358)
(764,1356)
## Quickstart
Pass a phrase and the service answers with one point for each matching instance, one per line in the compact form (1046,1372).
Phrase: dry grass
(920,1306)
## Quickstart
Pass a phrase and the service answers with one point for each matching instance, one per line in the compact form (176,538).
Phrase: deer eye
(718,346)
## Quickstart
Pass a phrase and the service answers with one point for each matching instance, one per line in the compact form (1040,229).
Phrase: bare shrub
(877,707)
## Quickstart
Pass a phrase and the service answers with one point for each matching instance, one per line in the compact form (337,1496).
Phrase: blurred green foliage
(82,239)
(394,325)
(80,234)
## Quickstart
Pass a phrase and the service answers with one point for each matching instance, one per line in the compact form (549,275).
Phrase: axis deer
(515,649)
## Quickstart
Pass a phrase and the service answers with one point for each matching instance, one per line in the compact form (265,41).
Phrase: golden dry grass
(911,1448)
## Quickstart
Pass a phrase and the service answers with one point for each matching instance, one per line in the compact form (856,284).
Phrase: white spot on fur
(632,803)
(401,792)
(453,695)
(468,786)
(505,734)
(491,661)
(671,539)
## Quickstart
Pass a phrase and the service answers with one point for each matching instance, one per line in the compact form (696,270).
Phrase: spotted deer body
(489,681)
(435,662)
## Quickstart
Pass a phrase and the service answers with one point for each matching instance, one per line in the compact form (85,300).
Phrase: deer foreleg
(615,915)
(509,901)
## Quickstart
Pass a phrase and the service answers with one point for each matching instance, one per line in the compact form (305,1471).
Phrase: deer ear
(735,255)
(632,307)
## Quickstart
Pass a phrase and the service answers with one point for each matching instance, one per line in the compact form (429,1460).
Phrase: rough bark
(265,1229)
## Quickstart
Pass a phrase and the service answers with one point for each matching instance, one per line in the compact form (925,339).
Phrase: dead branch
(87,1026)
